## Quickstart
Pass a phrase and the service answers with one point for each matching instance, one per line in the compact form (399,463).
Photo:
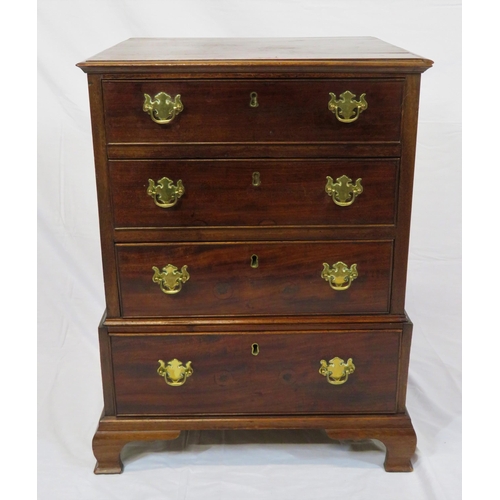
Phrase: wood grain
(215,145)
(221,193)
(282,379)
(241,54)
(222,281)
(219,111)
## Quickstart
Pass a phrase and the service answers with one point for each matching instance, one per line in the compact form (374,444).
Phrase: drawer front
(256,373)
(254,278)
(253,193)
(221,111)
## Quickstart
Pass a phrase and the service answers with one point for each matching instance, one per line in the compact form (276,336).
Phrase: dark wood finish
(221,193)
(400,443)
(107,447)
(404,362)
(155,151)
(245,324)
(108,387)
(394,431)
(251,55)
(97,114)
(209,234)
(282,379)
(286,281)
(219,111)
(214,146)
(402,242)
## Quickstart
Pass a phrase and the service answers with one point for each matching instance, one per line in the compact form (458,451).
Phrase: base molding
(394,431)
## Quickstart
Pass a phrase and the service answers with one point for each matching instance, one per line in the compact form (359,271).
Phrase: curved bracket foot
(399,440)
(107,446)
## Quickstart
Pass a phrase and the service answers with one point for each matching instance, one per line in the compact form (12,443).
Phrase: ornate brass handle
(174,372)
(336,371)
(165,194)
(162,109)
(170,279)
(343,191)
(347,109)
(339,275)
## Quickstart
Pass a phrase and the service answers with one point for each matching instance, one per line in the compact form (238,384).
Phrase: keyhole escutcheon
(256,179)
(254,261)
(255,349)
(253,100)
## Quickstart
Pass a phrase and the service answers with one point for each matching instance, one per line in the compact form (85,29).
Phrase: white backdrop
(245,465)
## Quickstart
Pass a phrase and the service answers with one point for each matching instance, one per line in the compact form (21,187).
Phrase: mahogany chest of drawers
(254,201)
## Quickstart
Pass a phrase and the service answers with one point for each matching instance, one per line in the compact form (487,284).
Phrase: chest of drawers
(254,202)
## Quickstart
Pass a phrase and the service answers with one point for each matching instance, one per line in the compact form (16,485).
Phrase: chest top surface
(337,52)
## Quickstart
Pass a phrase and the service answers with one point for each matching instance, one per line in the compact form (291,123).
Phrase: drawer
(224,111)
(256,373)
(253,193)
(290,278)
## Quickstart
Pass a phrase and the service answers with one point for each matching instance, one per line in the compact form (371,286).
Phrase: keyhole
(256,179)
(253,100)
(255,349)
(254,261)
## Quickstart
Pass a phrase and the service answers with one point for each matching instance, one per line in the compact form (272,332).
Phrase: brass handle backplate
(162,109)
(174,372)
(347,109)
(343,191)
(165,193)
(340,276)
(336,371)
(170,278)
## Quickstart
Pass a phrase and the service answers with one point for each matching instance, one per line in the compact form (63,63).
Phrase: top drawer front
(221,111)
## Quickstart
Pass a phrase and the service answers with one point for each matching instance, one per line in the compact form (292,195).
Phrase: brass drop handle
(170,278)
(347,109)
(162,109)
(339,276)
(165,193)
(174,372)
(343,191)
(336,371)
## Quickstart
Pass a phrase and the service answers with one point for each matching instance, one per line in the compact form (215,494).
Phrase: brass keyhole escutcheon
(256,179)
(255,349)
(254,261)
(253,100)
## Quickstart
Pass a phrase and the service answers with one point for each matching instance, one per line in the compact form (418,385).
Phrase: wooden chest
(254,199)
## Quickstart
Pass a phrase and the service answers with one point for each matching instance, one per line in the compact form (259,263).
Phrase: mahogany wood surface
(402,241)
(220,111)
(361,54)
(214,146)
(283,378)
(394,431)
(221,193)
(233,150)
(287,280)
(97,114)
